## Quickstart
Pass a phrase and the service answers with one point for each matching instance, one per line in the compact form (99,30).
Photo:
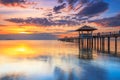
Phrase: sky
(57,18)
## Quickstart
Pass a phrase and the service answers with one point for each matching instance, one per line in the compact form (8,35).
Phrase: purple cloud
(94,9)
(42,21)
(109,22)
(16,3)
(86,7)
(60,1)
(73,3)
(12,1)
(36,21)
(57,8)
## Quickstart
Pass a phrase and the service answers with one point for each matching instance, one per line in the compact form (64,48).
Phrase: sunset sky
(57,17)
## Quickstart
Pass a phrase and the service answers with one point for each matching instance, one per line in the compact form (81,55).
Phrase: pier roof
(86,28)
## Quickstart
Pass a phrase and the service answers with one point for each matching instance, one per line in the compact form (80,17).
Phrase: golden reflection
(21,49)
(24,48)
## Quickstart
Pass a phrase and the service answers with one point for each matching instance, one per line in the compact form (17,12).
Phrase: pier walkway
(96,41)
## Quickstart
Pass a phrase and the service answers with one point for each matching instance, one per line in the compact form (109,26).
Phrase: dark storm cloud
(42,21)
(109,22)
(94,9)
(57,8)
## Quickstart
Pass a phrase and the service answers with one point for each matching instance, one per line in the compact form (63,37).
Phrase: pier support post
(79,43)
(94,43)
(108,44)
(100,43)
(87,43)
(103,44)
(97,43)
(115,45)
(82,40)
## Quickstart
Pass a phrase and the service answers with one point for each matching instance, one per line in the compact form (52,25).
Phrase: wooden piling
(79,43)
(94,43)
(97,43)
(87,42)
(103,44)
(100,43)
(115,45)
(108,44)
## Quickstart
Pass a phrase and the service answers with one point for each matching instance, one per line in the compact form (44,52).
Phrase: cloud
(16,3)
(94,9)
(84,1)
(60,1)
(67,22)
(36,21)
(83,8)
(73,3)
(74,20)
(12,1)
(109,22)
(42,21)
(57,8)
(70,3)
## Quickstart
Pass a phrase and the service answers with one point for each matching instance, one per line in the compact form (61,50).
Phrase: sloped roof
(86,28)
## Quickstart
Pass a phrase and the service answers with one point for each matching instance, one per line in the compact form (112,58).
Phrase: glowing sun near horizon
(21,31)
(24,32)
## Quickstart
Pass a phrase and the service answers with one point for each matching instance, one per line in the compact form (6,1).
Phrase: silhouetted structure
(85,39)
(85,32)
(89,40)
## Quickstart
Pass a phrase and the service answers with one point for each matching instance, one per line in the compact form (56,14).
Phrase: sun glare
(24,32)
(21,49)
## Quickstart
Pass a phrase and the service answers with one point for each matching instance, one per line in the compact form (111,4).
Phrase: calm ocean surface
(54,60)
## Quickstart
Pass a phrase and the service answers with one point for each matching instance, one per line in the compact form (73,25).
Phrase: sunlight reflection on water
(53,60)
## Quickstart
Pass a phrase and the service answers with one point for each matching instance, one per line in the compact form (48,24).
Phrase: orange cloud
(16,3)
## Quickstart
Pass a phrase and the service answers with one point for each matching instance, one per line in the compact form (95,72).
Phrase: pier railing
(107,34)
(99,34)
(96,41)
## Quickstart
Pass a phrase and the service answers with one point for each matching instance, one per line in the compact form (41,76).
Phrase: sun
(21,49)
(23,32)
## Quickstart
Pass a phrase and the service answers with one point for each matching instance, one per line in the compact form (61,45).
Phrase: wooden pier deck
(96,41)
(107,34)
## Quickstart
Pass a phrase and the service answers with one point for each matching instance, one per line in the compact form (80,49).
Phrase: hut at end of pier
(86,31)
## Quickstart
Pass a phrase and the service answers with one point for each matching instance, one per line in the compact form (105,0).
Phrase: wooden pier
(89,40)
(101,37)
